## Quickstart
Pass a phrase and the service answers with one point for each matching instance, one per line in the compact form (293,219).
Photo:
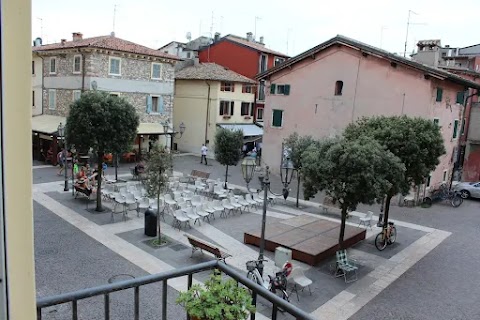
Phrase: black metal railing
(107,289)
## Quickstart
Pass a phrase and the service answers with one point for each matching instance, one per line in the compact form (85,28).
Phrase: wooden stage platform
(310,239)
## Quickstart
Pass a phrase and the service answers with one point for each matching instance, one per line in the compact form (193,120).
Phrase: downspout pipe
(459,145)
(83,70)
(207,115)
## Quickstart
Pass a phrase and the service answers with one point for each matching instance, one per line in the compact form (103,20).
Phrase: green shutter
(277,118)
(455,129)
(286,90)
(460,97)
(149,104)
(272,88)
(439,94)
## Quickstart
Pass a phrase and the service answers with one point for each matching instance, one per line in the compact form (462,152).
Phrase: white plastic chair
(123,191)
(143,204)
(107,191)
(196,200)
(251,202)
(219,192)
(235,204)
(188,195)
(199,209)
(130,202)
(227,206)
(218,206)
(180,218)
(256,197)
(243,202)
(367,220)
(300,280)
(207,206)
(119,202)
(170,203)
(192,215)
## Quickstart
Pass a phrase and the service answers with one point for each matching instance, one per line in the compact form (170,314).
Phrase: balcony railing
(105,290)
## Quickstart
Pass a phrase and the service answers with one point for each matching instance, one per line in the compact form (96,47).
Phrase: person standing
(61,161)
(204,151)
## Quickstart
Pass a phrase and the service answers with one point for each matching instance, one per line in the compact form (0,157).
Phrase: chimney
(217,36)
(261,40)
(112,34)
(37,42)
(250,36)
(63,41)
(77,36)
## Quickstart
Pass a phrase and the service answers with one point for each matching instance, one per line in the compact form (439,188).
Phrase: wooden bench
(199,174)
(199,244)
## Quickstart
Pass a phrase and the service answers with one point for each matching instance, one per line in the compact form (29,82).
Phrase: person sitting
(139,168)
(82,183)
(81,174)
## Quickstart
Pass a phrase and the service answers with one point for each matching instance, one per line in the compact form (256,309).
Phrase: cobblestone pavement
(427,270)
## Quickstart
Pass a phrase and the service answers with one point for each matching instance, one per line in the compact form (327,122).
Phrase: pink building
(322,90)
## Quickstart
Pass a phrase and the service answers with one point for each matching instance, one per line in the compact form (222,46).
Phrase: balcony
(73,298)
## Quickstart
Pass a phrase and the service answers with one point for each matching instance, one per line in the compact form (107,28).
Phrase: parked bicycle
(386,237)
(443,194)
(274,283)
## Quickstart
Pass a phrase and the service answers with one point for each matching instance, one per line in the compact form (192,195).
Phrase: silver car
(468,189)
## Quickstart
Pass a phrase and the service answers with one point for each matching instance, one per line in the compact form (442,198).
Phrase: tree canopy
(350,171)
(105,123)
(228,146)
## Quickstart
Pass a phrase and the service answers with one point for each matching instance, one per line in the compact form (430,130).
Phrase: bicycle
(274,283)
(386,237)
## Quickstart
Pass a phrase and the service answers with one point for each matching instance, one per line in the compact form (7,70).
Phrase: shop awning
(46,123)
(151,128)
(249,130)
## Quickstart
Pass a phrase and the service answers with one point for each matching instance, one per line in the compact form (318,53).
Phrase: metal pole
(266,183)
(73,187)
(65,163)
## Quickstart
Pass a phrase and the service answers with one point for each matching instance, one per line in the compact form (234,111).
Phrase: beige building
(17,271)
(208,96)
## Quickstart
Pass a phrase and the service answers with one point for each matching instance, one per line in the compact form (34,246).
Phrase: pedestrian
(204,151)
(61,161)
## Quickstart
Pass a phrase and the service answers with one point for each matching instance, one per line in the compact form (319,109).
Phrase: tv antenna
(381,35)
(255,33)
(41,27)
(408,27)
(114,16)
(288,37)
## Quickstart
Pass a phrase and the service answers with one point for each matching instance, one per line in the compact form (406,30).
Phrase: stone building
(143,76)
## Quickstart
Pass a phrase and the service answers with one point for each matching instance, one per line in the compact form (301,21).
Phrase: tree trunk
(342,227)
(226,177)
(99,184)
(116,166)
(298,186)
(387,210)
(158,219)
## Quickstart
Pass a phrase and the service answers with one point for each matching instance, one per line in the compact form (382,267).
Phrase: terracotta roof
(368,49)
(106,42)
(459,70)
(251,44)
(210,71)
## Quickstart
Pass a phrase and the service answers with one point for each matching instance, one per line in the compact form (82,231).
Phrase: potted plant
(218,299)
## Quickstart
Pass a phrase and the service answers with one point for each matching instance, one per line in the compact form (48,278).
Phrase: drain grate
(120,277)
(178,247)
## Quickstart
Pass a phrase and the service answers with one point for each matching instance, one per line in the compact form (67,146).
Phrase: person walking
(61,161)
(204,151)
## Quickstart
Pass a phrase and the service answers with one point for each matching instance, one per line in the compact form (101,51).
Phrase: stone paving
(128,249)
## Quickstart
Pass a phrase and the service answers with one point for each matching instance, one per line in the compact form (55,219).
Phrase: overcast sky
(288,26)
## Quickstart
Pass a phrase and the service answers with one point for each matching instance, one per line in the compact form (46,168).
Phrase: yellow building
(208,96)
(17,272)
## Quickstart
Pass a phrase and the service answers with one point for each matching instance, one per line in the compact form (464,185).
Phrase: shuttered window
(439,95)
(455,128)
(460,97)
(277,120)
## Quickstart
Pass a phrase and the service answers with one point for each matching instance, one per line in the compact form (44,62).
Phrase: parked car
(468,189)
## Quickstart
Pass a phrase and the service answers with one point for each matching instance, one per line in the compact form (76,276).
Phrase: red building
(245,56)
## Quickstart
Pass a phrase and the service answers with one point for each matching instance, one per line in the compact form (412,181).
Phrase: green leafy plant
(104,123)
(228,146)
(218,299)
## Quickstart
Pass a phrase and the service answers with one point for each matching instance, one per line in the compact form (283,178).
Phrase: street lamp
(166,126)
(61,134)
(286,175)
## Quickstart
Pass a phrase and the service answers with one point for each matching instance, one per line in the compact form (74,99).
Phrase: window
(462,130)
(338,88)
(436,121)
(261,91)
(252,109)
(245,109)
(445,175)
(227,86)
(278,61)
(259,114)
(439,95)
(263,62)
(460,97)
(76,94)
(246,88)
(277,121)
(429,180)
(280,89)
(226,108)
(53,65)
(156,71)
(33,67)
(115,66)
(188,54)
(455,128)
(33,98)
(52,99)
(77,63)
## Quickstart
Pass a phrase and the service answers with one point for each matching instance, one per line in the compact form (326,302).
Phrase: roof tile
(210,71)
(253,45)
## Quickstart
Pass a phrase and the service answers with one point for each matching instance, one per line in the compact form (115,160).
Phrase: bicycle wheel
(380,242)
(427,202)
(252,276)
(456,201)
(393,235)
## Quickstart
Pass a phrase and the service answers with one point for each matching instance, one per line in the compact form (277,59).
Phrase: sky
(291,27)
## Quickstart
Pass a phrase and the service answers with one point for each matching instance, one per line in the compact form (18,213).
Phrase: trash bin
(150,223)
(380,219)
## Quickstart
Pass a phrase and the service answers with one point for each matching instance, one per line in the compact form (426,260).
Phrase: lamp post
(173,134)
(286,175)
(61,134)
(73,151)
(248,170)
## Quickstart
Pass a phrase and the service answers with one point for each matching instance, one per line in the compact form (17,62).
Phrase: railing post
(74,310)
(39,313)
(274,312)
(164,300)
(254,302)
(137,303)
(106,303)
(189,285)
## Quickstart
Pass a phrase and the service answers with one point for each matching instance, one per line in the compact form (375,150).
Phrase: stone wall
(64,100)
(139,102)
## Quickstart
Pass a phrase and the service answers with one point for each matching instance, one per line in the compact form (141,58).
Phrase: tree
(158,164)
(105,123)
(228,146)
(297,145)
(349,171)
(417,142)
